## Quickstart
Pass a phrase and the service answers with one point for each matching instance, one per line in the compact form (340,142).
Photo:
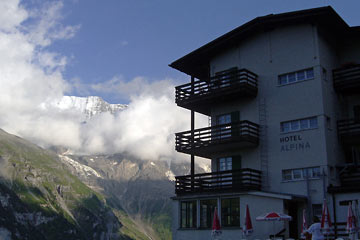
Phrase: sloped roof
(196,63)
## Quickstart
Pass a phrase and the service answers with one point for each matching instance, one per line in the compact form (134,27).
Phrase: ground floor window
(207,208)
(230,212)
(317,210)
(188,214)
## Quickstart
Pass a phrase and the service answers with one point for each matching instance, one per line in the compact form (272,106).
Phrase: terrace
(228,85)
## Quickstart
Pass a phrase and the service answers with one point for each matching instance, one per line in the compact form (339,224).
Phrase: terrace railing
(348,128)
(245,179)
(241,131)
(240,82)
(347,79)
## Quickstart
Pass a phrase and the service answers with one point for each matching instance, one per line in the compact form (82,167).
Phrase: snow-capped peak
(90,106)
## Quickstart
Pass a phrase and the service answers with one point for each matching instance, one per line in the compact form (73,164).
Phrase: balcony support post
(192,169)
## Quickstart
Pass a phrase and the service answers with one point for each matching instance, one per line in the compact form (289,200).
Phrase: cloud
(134,88)
(45,24)
(11,15)
(31,77)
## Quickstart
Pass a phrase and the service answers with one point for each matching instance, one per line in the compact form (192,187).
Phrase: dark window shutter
(357,113)
(235,117)
(236,165)
(236,162)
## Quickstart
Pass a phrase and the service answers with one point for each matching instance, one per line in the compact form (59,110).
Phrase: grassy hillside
(43,200)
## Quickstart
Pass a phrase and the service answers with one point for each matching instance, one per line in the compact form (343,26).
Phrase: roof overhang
(196,63)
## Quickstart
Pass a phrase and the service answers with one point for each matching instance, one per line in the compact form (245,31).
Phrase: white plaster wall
(270,54)
(262,230)
(341,211)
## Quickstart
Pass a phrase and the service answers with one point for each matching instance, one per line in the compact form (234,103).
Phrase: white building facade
(283,94)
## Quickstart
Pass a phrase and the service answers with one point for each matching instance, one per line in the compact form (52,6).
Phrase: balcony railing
(347,79)
(241,180)
(349,130)
(349,180)
(200,95)
(219,138)
(350,176)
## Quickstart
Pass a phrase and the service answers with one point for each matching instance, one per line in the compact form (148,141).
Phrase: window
(223,78)
(317,210)
(207,208)
(228,130)
(225,163)
(296,125)
(188,214)
(296,76)
(225,132)
(300,174)
(230,212)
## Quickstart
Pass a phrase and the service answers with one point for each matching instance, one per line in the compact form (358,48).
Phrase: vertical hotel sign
(293,143)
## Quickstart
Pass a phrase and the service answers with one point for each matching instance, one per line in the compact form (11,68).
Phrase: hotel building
(283,95)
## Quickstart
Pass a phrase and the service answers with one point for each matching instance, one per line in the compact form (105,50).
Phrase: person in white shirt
(315,229)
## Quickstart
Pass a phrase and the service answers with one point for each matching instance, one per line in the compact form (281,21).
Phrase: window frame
(209,213)
(288,175)
(287,126)
(231,214)
(190,216)
(294,77)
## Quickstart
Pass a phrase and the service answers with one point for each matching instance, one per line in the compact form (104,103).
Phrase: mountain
(90,106)
(41,199)
(143,189)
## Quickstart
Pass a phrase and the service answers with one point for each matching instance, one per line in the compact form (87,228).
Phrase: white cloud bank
(31,76)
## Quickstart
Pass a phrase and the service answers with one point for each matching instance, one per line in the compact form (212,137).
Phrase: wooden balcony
(226,86)
(241,180)
(216,139)
(347,79)
(350,176)
(349,180)
(349,131)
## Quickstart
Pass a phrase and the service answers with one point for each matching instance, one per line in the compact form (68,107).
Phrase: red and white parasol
(247,228)
(273,216)
(350,223)
(216,229)
(326,225)
(304,225)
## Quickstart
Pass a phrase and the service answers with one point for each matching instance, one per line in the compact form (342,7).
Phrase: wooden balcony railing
(245,179)
(225,86)
(349,130)
(218,138)
(349,180)
(350,176)
(347,79)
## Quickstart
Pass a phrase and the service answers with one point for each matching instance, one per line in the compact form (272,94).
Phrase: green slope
(43,200)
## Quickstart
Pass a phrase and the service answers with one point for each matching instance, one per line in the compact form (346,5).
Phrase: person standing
(315,229)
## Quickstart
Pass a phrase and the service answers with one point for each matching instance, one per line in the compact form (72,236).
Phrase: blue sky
(118,50)
(132,38)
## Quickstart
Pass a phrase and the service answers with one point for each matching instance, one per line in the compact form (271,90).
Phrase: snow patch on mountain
(90,106)
(80,168)
(170,175)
